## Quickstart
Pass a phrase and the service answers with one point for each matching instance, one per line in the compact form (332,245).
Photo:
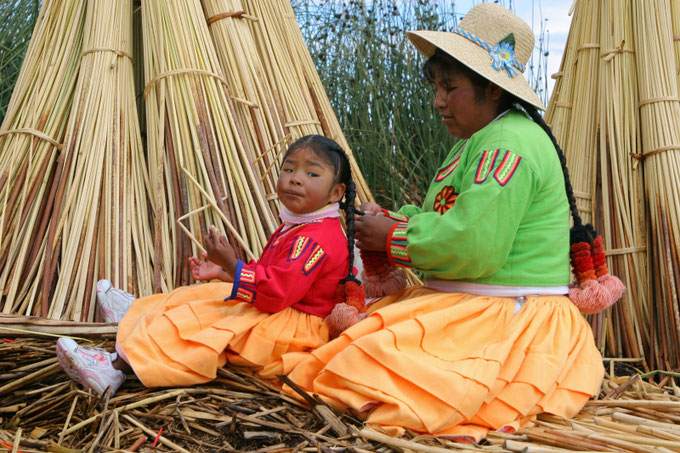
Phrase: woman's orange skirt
(181,338)
(458,364)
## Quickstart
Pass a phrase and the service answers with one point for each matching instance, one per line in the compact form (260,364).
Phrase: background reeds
(615,108)
(17,18)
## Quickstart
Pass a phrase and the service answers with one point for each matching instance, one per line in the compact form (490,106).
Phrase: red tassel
(582,262)
(594,289)
(380,279)
(349,309)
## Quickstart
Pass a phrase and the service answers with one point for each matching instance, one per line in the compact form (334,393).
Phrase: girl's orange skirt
(457,364)
(181,338)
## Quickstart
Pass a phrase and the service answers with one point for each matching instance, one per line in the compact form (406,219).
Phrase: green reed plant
(17,18)
(373,78)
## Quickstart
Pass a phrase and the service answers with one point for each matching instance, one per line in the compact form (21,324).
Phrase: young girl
(275,305)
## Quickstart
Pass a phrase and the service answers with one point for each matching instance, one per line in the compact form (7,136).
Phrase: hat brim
(474,57)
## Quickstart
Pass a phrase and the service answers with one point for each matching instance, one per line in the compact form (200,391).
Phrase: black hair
(573,209)
(337,157)
(443,65)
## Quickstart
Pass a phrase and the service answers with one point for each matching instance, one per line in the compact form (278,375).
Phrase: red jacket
(300,267)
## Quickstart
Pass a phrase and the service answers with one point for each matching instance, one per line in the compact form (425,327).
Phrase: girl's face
(307,182)
(462,113)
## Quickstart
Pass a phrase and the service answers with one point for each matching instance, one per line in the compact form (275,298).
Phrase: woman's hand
(371,232)
(219,251)
(370,208)
(207,270)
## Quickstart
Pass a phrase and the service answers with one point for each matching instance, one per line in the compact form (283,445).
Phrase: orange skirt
(457,364)
(181,338)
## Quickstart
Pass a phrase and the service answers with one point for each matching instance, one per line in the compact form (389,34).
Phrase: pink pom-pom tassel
(591,297)
(341,318)
(613,284)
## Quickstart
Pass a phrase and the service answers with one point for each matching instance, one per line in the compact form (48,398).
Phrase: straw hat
(491,41)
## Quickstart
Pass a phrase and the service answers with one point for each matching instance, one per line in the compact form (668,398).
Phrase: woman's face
(462,113)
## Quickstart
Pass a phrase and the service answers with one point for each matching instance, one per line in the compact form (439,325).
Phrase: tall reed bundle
(559,109)
(101,228)
(575,116)
(31,139)
(584,112)
(660,122)
(257,109)
(634,84)
(198,156)
(620,215)
(291,73)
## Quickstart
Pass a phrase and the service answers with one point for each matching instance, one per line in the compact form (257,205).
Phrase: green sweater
(496,212)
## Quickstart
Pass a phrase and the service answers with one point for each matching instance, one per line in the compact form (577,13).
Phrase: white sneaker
(90,367)
(112,302)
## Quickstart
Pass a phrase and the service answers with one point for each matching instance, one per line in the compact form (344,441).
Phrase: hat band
(503,53)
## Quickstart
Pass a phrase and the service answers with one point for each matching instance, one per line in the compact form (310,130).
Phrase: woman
(491,339)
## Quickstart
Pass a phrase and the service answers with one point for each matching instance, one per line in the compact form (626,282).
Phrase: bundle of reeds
(31,151)
(660,125)
(291,72)
(199,159)
(631,180)
(620,214)
(101,226)
(257,107)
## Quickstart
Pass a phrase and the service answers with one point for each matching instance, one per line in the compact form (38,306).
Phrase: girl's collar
(290,218)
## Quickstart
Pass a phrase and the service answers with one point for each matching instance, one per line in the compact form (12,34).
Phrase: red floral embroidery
(445,199)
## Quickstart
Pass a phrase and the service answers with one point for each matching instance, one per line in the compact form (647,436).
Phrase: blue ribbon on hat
(502,54)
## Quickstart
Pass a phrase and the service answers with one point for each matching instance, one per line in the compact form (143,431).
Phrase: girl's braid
(348,206)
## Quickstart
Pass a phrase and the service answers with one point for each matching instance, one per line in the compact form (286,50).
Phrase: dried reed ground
(42,410)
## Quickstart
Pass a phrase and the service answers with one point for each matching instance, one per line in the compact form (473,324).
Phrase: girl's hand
(219,251)
(370,208)
(371,232)
(205,270)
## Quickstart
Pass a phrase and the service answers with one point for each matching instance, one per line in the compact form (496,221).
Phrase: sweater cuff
(244,289)
(395,216)
(397,253)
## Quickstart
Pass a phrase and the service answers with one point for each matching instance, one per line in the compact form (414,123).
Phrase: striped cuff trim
(397,252)
(244,289)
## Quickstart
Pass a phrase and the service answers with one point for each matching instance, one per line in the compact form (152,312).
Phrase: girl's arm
(275,287)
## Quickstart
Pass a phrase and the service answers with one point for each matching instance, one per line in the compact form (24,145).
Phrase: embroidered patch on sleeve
(247,275)
(298,248)
(445,199)
(507,168)
(397,252)
(245,295)
(395,215)
(446,171)
(485,165)
(316,256)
